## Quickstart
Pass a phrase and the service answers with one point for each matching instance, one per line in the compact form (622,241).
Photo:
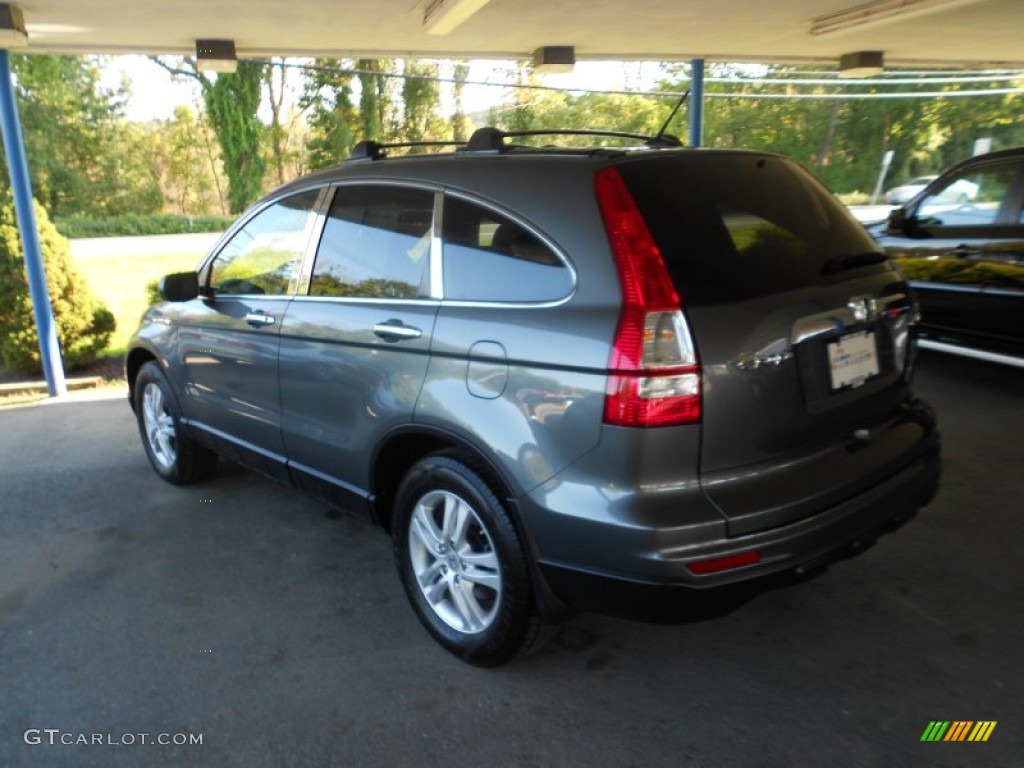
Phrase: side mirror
(180,286)
(897,220)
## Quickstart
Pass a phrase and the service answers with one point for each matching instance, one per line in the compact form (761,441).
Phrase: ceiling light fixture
(216,56)
(880,11)
(553,59)
(442,16)
(860,64)
(12,27)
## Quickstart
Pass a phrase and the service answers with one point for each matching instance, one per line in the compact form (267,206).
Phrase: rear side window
(489,257)
(376,244)
(733,226)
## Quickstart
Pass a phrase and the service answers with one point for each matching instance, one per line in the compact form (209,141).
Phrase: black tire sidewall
(151,373)
(503,638)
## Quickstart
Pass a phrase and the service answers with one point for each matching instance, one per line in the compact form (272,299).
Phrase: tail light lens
(653,371)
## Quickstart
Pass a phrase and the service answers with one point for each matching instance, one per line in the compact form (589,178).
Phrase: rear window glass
(734,227)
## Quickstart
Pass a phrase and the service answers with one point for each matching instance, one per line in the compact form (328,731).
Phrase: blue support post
(14,146)
(696,102)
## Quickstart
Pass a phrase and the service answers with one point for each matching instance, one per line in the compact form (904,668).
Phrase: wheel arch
(402,448)
(133,362)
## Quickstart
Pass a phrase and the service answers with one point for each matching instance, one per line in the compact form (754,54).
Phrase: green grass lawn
(119,281)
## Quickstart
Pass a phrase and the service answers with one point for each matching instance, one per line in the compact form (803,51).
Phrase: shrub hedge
(140,224)
(84,326)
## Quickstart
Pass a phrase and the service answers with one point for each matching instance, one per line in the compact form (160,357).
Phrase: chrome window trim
(305,276)
(965,351)
(992,290)
(936,286)
(424,302)
(255,296)
(437,249)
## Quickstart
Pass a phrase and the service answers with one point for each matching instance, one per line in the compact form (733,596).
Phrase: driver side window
(261,258)
(970,200)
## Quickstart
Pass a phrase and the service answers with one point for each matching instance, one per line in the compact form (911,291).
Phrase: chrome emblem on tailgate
(863,308)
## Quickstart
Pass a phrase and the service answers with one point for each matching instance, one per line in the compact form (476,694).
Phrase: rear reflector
(724,563)
(653,372)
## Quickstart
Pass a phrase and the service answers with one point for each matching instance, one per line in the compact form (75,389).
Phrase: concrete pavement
(275,631)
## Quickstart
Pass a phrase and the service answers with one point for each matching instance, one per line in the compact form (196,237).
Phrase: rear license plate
(852,360)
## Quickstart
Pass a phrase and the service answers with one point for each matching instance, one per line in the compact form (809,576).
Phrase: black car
(560,378)
(964,258)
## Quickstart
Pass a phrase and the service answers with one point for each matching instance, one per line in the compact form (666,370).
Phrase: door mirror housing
(180,286)
(897,220)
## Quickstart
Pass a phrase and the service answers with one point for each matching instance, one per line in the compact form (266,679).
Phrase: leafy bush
(135,224)
(84,326)
(153,293)
(854,198)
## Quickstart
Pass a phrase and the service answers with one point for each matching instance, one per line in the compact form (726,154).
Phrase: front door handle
(259,319)
(964,251)
(395,330)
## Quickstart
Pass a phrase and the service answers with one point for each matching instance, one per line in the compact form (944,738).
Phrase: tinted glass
(376,244)
(489,257)
(972,199)
(261,257)
(734,227)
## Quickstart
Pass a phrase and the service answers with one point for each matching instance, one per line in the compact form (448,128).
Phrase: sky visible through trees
(112,136)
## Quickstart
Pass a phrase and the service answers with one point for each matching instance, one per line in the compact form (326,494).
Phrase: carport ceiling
(972,33)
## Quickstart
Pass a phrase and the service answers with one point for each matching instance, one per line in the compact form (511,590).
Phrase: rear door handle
(395,330)
(259,319)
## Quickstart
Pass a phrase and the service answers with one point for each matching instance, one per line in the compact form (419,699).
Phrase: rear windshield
(741,226)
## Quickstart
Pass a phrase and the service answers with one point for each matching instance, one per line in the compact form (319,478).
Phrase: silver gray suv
(560,378)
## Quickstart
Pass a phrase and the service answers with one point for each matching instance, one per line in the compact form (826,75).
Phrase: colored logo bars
(958,730)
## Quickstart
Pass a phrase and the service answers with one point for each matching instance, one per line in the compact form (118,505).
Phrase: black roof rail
(493,139)
(366,150)
(486,139)
(490,139)
(373,150)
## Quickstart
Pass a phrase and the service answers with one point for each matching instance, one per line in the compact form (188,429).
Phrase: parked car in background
(965,260)
(961,191)
(561,378)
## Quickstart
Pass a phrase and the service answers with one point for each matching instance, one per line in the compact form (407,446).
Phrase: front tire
(175,456)
(462,564)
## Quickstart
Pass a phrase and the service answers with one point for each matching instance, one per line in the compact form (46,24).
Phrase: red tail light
(654,375)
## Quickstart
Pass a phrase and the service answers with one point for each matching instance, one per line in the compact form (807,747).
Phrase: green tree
(83,325)
(844,139)
(534,109)
(420,100)
(461,125)
(181,154)
(374,98)
(276,77)
(232,102)
(82,157)
(327,95)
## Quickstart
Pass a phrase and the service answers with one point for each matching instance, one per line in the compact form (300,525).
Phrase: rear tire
(175,456)
(462,564)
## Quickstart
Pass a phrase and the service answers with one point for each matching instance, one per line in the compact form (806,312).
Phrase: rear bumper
(787,548)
